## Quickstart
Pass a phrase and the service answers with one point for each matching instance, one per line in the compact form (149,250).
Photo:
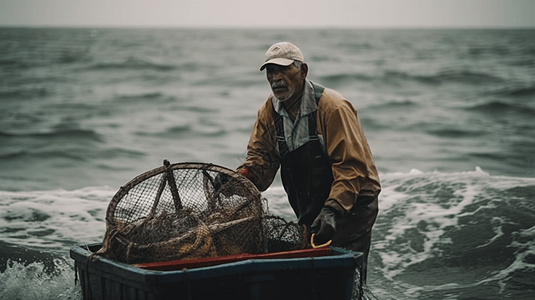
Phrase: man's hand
(324,226)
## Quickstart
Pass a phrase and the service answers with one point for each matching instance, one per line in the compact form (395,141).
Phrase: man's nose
(275,75)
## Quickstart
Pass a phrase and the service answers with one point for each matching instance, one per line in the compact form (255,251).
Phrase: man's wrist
(335,207)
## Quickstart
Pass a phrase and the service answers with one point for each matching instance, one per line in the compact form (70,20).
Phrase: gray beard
(284,97)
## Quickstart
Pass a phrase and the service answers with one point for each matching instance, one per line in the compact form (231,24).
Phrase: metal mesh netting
(192,210)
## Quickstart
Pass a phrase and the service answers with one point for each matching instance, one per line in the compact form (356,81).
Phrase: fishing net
(192,210)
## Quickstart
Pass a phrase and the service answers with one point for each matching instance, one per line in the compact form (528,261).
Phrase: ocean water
(449,115)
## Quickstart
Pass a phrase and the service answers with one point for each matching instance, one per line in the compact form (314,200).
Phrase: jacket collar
(308,102)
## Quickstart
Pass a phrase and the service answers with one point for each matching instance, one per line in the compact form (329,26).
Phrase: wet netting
(192,210)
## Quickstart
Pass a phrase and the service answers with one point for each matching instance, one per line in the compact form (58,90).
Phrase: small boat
(322,273)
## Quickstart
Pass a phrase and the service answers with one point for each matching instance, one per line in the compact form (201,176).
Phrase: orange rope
(318,246)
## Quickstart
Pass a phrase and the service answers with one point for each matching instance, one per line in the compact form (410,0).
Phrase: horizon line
(216,27)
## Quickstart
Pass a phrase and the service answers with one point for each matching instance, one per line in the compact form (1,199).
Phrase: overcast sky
(269,13)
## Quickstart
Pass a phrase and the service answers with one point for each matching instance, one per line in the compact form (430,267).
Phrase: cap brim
(277,61)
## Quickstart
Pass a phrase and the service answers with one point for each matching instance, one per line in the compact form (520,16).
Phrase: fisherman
(314,135)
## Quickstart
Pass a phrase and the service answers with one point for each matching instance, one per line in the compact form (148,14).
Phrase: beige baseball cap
(282,54)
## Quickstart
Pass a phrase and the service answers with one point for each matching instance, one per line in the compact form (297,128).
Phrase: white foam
(523,250)
(54,219)
(34,282)
(423,207)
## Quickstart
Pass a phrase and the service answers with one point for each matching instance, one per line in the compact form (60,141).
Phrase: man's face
(286,82)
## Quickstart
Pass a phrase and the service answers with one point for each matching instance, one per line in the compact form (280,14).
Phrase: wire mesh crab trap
(192,210)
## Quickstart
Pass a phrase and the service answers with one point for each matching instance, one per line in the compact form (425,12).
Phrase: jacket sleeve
(262,161)
(353,165)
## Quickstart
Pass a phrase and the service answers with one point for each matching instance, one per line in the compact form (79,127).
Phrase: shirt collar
(308,102)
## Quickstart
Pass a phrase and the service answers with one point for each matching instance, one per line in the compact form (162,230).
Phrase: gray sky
(269,13)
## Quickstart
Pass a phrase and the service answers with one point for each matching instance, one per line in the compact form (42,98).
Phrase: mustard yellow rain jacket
(344,143)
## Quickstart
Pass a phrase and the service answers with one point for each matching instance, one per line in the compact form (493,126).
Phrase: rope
(318,246)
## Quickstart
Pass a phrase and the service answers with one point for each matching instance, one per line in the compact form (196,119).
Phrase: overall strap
(283,146)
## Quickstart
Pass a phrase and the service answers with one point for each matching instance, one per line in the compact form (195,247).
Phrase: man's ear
(304,70)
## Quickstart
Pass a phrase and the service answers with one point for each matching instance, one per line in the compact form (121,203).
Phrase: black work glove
(324,226)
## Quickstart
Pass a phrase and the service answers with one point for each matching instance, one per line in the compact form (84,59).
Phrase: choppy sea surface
(449,116)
